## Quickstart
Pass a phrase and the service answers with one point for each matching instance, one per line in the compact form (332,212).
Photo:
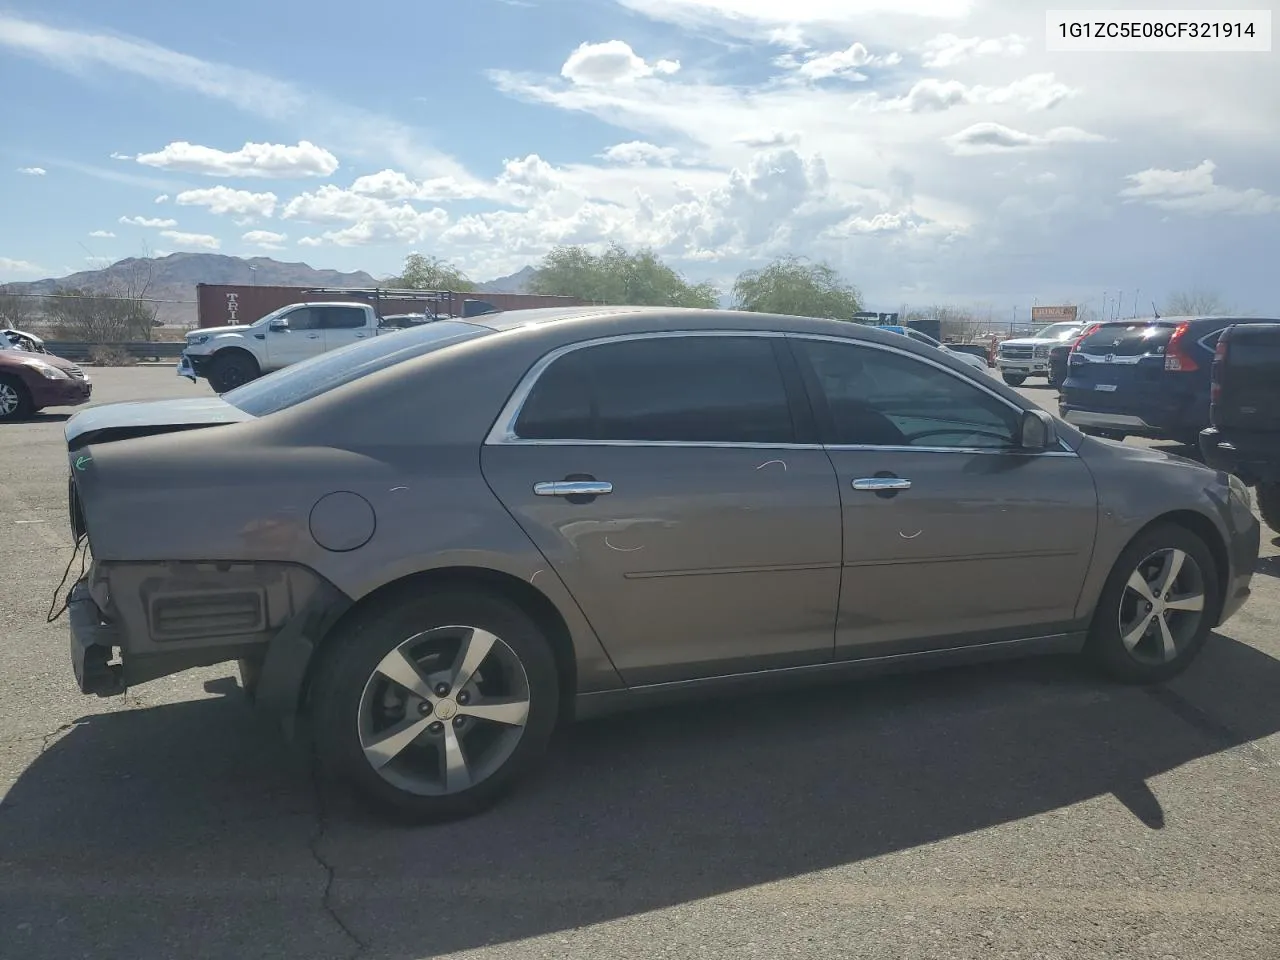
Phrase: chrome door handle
(573,488)
(313,336)
(877,484)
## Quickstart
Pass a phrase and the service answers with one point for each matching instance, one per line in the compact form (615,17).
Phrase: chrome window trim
(502,433)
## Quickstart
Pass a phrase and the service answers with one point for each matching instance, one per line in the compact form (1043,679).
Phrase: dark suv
(1244,433)
(1143,377)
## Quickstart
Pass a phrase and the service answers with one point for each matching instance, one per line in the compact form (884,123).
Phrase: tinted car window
(293,384)
(690,389)
(882,398)
(342,318)
(1127,339)
(304,318)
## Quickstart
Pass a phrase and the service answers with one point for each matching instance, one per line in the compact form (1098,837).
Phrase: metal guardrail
(138,349)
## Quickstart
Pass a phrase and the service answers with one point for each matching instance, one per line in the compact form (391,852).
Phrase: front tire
(1014,379)
(1157,607)
(232,369)
(15,400)
(1269,504)
(433,706)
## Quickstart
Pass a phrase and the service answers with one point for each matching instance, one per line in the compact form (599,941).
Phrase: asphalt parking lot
(1024,810)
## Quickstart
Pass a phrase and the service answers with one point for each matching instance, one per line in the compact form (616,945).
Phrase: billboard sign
(1053,314)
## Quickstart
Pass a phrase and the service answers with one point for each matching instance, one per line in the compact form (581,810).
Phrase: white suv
(1024,357)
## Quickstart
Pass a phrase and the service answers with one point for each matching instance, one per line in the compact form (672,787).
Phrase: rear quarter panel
(408,443)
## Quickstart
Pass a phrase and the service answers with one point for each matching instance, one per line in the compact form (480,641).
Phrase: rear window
(1128,339)
(310,378)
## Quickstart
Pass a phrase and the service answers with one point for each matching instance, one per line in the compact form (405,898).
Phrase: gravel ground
(1022,810)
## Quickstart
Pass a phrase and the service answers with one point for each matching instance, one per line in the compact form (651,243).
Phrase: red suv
(31,380)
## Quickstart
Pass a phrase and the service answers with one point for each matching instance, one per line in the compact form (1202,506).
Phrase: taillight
(1075,344)
(1176,356)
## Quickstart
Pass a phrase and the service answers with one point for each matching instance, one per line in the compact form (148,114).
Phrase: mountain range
(172,279)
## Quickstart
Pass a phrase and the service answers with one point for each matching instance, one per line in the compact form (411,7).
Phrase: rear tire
(1136,640)
(1014,379)
(1268,496)
(433,706)
(15,400)
(232,369)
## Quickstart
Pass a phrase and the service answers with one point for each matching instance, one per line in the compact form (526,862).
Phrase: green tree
(791,285)
(431,273)
(618,276)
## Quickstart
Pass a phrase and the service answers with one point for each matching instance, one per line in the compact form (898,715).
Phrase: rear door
(1120,368)
(706,540)
(1248,372)
(344,326)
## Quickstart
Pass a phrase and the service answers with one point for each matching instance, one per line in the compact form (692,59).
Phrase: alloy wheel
(9,400)
(443,710)
(1162,606)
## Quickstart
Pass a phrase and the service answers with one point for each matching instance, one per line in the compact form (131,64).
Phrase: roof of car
(602,320)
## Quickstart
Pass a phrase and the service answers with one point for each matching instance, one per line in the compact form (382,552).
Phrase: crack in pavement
(331,875)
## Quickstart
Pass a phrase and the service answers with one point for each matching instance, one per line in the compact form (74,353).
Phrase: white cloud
(987,137)
(228,201)
(357,131)
(845,63)
(367,219)
(101,234)
(947,49)
(163,198)
(611,62)
(638,153)
(395,185)
(33,171)
(769,18)
(148,222)
(117,155)
(266,239)
(262,160)
(199,241)
(1039,91)
(1194,191)
(9,265)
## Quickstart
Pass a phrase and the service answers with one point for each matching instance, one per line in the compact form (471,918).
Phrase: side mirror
(278,324)
(1037,432)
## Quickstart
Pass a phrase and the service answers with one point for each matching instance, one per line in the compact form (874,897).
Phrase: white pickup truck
(230,356)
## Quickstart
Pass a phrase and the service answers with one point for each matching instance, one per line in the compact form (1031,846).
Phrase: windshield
(1059,331)
(923,338)
(320,374)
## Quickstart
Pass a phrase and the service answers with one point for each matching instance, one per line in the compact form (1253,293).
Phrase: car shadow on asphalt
(137,831)
(44,418)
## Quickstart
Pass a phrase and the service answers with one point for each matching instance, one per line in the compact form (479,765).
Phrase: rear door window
(1128,340)
(688,389)
(342,318)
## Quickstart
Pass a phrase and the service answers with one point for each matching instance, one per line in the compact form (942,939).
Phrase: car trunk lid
(123,421)
(1119,363)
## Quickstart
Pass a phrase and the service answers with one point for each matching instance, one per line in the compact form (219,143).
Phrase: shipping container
(227,304)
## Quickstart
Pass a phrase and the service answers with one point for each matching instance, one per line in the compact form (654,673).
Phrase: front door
(952,534)
(660,478)
(344,326)
(303,338)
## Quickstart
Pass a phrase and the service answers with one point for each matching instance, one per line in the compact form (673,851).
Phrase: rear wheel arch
(531,601)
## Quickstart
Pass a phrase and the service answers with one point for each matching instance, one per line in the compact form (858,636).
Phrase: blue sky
(930,149)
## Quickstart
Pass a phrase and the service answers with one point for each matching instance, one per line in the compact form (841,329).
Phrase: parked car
(621,506)
(963,356)
(974,350)
(32,380)
(23,340)
(1145,378)
(1023,357)
(1243,436)
(230,356)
